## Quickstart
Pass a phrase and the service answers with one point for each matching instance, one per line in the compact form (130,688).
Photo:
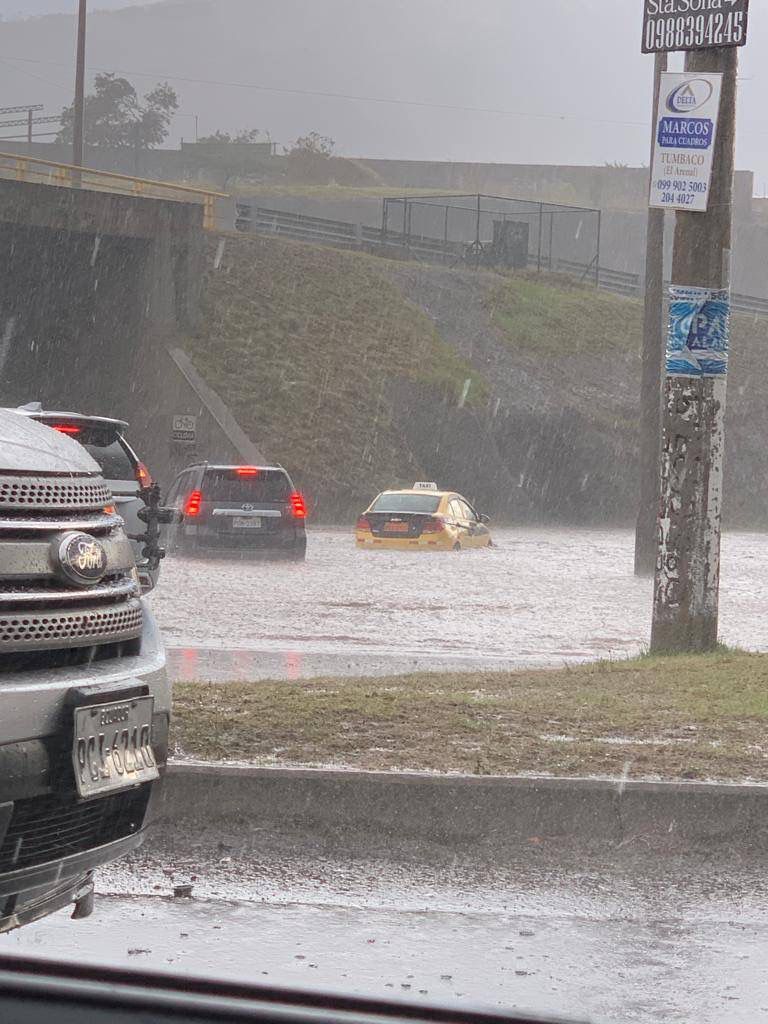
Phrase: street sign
(685,129)
(184,429)
(694,24)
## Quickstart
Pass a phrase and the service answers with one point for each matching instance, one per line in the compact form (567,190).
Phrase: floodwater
(540,597)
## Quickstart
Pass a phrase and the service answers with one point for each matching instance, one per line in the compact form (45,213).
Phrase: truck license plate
(247,523)
(113,746)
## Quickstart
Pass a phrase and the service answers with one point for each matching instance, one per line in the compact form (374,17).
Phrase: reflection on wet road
(541,597)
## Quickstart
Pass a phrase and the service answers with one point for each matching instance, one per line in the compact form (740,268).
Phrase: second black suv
(249,509)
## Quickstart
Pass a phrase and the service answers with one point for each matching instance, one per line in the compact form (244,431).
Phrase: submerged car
(124,473)
(423,518)
(84,696)
(243,509)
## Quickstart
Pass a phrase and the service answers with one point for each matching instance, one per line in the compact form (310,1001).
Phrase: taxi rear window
(406,503)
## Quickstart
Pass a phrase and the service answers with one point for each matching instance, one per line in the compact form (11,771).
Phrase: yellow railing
(28,168)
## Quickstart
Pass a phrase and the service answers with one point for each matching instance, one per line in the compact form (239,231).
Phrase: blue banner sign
(699,329)
(686,132)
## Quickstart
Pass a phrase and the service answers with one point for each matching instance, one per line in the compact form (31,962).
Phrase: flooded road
(540,597)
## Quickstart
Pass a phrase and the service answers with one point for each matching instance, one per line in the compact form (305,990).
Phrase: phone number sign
(694,24)
(684,143)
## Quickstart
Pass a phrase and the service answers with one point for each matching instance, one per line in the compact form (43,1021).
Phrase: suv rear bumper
(286,540)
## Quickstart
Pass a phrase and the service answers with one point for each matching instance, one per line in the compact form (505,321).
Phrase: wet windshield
(411,642)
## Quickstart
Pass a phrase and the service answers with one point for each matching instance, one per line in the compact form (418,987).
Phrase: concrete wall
(92,285)
(623,188)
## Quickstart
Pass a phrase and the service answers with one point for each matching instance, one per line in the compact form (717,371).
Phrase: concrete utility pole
(646,539)
(78,128)
(685,608)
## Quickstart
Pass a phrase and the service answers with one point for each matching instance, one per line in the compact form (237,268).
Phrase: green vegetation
(554,315)
(696,717)
(310,346)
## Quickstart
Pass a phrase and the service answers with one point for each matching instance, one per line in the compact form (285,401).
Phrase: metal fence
(492,231)
(344,235)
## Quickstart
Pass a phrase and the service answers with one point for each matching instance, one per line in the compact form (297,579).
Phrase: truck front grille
(39,610)
(44,493)
(47,828)
(36,631)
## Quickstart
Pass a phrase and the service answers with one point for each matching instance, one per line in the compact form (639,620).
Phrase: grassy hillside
(349,370)
(309,346)
(550,316)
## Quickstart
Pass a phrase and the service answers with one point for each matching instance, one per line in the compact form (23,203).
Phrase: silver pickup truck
(84,697)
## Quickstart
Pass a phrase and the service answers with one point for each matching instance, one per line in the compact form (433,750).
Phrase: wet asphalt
(539,598)
(592,944)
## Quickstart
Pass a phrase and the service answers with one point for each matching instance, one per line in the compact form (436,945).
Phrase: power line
(321,94)
(24,138)
(26,121)
(22,109)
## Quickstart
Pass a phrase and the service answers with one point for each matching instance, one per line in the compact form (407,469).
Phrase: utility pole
(78,128)
(685,607)
(646,541)
(30,122)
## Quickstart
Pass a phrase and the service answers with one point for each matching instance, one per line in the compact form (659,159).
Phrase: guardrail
(344,235)
(14,166)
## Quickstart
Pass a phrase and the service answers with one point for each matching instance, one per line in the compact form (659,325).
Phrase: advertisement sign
(699,327)
(694,24)
(685,130)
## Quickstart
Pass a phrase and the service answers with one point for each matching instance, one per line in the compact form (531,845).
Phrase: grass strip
(693,717)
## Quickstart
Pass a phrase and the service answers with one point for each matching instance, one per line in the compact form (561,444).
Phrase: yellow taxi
(421,519)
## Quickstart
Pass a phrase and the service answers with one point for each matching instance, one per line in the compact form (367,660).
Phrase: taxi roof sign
(424,485)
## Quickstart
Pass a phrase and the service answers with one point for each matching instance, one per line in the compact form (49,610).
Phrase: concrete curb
(484,816)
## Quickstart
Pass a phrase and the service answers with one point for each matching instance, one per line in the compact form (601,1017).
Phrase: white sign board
(685,130)
(184,429)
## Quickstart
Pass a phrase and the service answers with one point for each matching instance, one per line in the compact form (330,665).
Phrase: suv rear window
(228,485)
(106,448)
(406,503)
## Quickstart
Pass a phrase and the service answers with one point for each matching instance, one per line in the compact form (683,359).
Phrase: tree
(310,160)
(313,144)
(115,117)
(245,135)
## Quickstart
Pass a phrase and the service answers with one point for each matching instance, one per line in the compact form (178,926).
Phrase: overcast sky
(34,8)
(518,81)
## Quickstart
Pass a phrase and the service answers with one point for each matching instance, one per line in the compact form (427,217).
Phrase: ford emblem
(80,559)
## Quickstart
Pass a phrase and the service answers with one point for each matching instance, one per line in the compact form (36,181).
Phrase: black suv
(247,509)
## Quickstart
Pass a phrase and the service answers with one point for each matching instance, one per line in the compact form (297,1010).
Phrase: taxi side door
(476,532)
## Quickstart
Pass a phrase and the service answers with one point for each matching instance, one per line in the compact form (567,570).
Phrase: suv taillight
(143,475)
(432,526)
(192,505)
(363,523)
(298,506)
